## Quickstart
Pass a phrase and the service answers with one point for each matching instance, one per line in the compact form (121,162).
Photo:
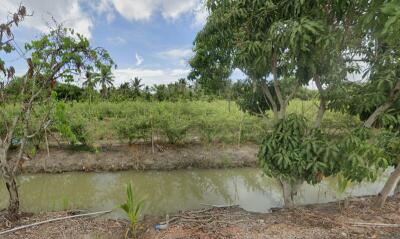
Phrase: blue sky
(151,39)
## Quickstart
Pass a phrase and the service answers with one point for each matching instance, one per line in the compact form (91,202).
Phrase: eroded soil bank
(354,219)
(142,157)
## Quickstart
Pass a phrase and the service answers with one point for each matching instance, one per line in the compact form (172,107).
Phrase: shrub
(136,129)
(73,129)
(174,127)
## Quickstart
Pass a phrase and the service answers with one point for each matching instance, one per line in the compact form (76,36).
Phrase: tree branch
(393,96)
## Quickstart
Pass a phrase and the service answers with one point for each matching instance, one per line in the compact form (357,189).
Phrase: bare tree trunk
(322,103)
(13,205)
(389,186)
(289,191)
(9,179)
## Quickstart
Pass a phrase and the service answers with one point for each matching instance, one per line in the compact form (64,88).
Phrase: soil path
(332,220)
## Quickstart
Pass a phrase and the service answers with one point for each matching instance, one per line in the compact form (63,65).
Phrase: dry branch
(53,220)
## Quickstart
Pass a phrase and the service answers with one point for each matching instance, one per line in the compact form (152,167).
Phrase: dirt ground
(142,157)
(354,218)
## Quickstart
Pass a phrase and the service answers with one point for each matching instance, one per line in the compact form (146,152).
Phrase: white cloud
(150,76)
(143,10)
(103,7)
(135,9)
(139,59)
(200,15)
(176,54)
(67,12)
(172,9)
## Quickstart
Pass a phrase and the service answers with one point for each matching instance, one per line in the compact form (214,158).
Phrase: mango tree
(283,44)
(300,41)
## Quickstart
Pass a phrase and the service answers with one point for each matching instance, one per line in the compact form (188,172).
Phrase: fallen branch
(368,224)
(53,220)
(219,206)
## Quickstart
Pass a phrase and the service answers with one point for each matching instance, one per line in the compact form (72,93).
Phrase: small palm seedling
(132,208)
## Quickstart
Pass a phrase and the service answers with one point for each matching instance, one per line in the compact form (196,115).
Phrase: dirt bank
(357,220)
(142,157)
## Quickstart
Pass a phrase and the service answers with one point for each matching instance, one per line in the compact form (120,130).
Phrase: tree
(105,78)
(136,87)
(68,92)
(60,54)
(270,41)
(381,26)
(286,44)
(10,126)
(375,44)
(90,82)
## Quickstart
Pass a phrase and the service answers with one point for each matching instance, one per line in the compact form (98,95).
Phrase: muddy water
(167,192)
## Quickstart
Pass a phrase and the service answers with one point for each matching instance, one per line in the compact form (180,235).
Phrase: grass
(181,122)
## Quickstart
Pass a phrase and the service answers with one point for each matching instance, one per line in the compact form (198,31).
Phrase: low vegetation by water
(183,122)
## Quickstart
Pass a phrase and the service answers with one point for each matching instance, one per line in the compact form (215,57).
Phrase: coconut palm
(90,81)
(105,78)
(136,86)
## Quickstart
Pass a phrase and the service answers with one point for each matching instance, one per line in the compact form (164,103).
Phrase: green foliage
(361,158)
(179,122)
(389,142)
(173,127)
(293,151)
(73,130)
(68,92)
(250,97)
(132,207)
(62,123)
(136,129)
(62,54)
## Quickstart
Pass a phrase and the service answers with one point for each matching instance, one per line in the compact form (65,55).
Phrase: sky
(151,39)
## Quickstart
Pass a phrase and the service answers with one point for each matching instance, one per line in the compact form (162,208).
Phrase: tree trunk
(271,101)
(13,204)
(281,112)
(321,112)
(389,186)
(9,179)
(289,191)
(322,103)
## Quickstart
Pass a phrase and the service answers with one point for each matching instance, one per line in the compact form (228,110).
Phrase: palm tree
(136,86)
(90,81)
(106,79)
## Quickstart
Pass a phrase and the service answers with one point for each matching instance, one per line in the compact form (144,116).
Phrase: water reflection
(167,192)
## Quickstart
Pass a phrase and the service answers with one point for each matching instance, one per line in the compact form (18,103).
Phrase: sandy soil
(332,220)
(141,157)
